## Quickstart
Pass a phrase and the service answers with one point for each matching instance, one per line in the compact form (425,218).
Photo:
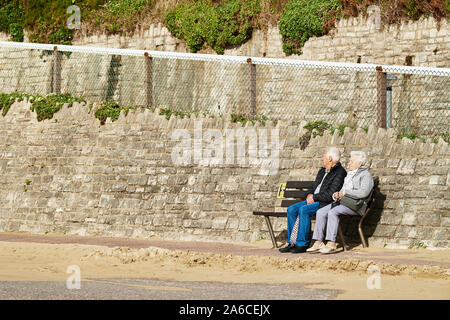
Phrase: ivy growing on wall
(219,26)
(303,19)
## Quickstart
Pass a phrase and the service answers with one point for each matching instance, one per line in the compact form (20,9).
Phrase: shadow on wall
(113,77)
(350,227)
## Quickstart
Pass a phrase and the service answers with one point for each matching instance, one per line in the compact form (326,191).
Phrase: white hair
(334,153)
(361,156)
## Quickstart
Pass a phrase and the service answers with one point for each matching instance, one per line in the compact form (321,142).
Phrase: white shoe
(329,248)
(316,247)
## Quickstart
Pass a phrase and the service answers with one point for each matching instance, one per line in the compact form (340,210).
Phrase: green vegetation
(216,23)
(410,136)
(413,136)
(446,135)
(12,18)
(341,128)
(110,109)
(168,113)
(7,99)
(318,127)
(303,19)
(243,119)
(417,245)
(220,26)
(44,107)
(116,16)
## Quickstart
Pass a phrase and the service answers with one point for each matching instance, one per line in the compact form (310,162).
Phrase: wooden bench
(292,192)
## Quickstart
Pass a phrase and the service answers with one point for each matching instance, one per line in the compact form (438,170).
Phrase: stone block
(429,219)
(409,219)
(440,234)
(407,166)
(219,223)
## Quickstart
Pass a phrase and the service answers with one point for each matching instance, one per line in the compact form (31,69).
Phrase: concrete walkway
(420,257)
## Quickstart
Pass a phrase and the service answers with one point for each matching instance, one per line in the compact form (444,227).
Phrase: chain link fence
(413,100)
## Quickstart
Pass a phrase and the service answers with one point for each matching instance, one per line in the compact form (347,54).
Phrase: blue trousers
(304,212)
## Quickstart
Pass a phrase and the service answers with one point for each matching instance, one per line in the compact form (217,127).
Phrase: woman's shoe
(329,248)
(316,247)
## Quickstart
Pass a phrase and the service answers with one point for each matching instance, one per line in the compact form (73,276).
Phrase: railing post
(148,80)
(252,87)
(381,98)
(56,71)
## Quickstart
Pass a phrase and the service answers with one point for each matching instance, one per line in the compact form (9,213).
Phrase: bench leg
(361,235)
(272,235)
(341,235)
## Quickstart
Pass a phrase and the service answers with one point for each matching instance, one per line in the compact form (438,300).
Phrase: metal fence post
(148,80)
(56,71)
(381,98)
(252,87)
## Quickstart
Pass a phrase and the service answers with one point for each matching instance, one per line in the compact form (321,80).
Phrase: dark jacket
(332,183)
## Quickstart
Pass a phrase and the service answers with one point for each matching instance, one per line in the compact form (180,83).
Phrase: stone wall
(72,175)
(352,40)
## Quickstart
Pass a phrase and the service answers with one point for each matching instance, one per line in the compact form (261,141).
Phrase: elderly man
(358,185)
(329,179)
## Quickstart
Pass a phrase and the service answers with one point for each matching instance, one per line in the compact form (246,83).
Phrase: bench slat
(287,203)
(295,194)
(299,184)
(270,214)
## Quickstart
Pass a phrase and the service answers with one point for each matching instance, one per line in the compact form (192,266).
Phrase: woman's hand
(338,195)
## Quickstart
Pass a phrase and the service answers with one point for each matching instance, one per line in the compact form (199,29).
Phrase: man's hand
(309,199)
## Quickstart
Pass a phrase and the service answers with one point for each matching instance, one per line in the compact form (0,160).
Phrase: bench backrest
(371,201)
(293,191)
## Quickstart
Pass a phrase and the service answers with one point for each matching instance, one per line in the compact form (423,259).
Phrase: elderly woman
(358,184)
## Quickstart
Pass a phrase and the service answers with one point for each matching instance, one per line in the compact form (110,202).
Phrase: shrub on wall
(115,16)
(45,107)
(220,26)
(11,19)
(110,109)
(303,19)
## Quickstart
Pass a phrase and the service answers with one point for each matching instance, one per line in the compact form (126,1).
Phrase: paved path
(149,289)
(220,248)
